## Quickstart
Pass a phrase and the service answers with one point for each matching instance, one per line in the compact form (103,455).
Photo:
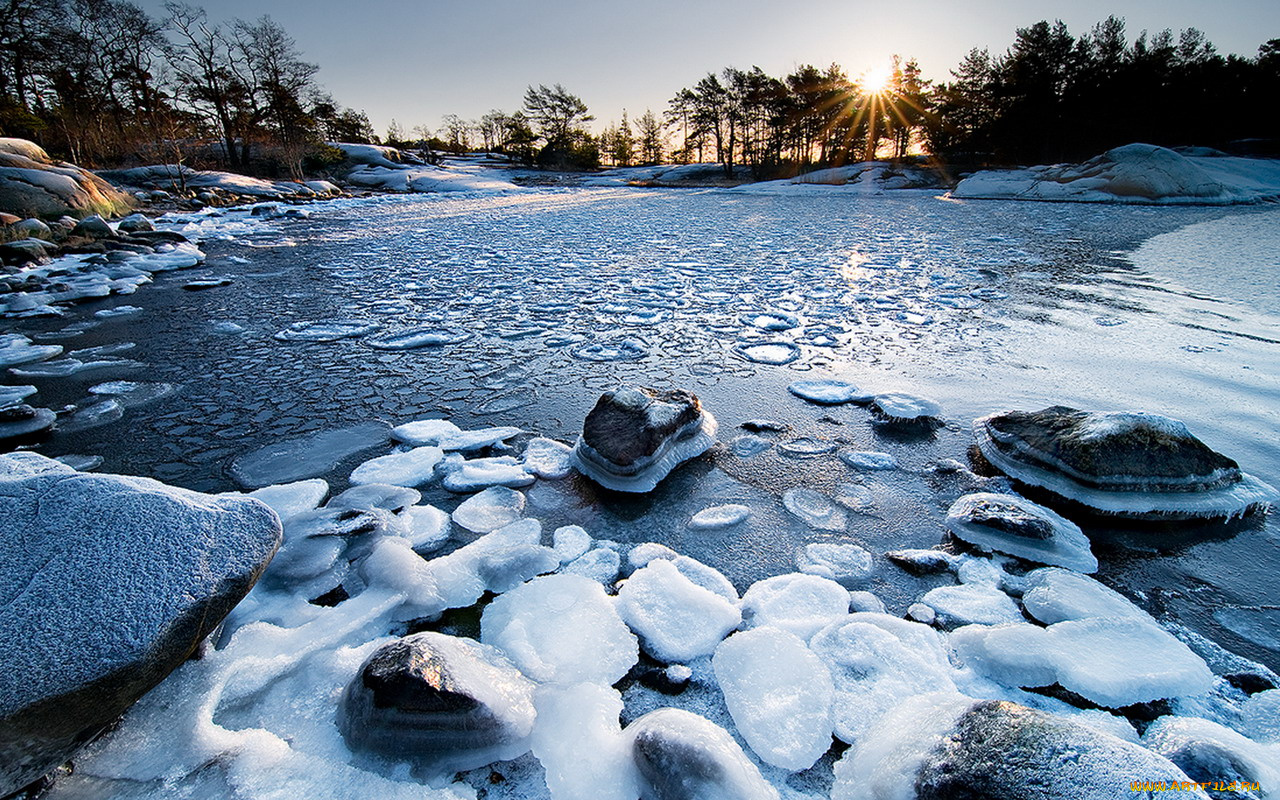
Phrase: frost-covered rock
(489,510)
(1128,463)
(947,745)
(410,468)
(677,620)
(109,583)
(1211,753)
(1134,173)
(634,437)
(796,603)
(922,562)
(779,694)
(1019,527)
(441,703)
(34,185)
(877,661)
(1053,595)
(561,629)
(682,756)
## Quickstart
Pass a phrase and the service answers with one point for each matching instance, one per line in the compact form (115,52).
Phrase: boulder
(1130,464)
(442,703)
(1021,528)
(635,436)
(942,746)
(108,584)
(25,251)
(135,223)
(682,756)
(31,227)
(34,185)
(93,227)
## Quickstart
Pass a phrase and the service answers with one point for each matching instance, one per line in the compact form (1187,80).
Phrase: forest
(103,83)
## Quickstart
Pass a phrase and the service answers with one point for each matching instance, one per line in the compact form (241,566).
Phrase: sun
(876,80)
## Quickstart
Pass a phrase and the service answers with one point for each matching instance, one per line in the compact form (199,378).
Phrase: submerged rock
(1131,464)
(109,583)
(441,703)
(948,746)
(634,437)
(682,756)
(1021,528)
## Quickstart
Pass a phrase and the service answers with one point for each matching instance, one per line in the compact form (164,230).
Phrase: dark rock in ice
(108,584)
(21,423)
(441,703)
(921,562)
(1019,527)
(134,223)
(206,283)
(763,426)
(999,750)
(1249,682)
(635,436)
(93,227)
(682,756)
(25,251)
(1131,464)
(158,237)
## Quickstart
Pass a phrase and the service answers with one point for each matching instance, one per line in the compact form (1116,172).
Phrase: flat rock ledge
(108,584)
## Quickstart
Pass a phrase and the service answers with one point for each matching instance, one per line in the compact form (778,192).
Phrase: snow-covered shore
(1135,173)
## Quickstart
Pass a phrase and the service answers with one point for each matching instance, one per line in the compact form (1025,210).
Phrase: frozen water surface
(529,305)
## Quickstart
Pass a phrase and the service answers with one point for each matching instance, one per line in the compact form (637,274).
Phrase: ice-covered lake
(535,303)
(521,309)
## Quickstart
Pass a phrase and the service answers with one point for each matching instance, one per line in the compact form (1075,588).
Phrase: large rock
(1130,464)
(682,756)
(34,185)
(108,584)
(1019,527)
(439,702)
(635,436)
(941,747)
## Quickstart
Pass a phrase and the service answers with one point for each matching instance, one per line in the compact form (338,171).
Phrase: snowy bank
(866,177)
(34,185)
(1135,173)
(168,178)
(387,169)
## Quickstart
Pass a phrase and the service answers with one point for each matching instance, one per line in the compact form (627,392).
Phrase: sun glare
(876,80)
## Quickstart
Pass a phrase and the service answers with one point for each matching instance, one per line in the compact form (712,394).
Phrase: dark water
(982,306)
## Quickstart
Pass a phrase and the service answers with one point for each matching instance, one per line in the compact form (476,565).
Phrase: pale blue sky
(416,61)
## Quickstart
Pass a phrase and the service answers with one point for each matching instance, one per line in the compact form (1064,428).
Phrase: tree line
(107,84)
(104,83)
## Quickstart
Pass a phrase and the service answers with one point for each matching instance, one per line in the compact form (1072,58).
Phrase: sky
(417,61)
